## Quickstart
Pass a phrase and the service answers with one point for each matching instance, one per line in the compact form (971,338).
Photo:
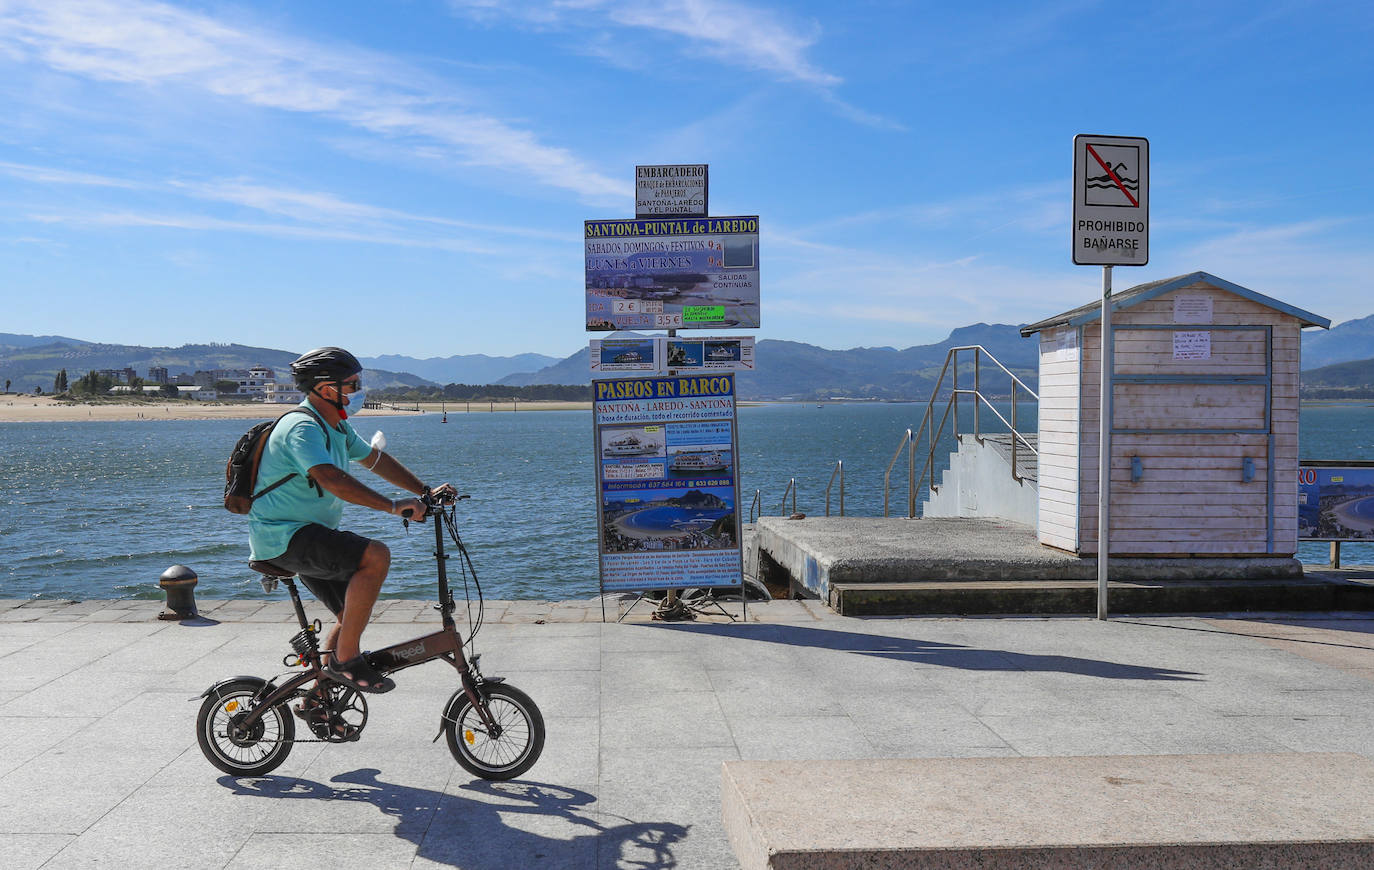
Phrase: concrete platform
(1183,812)
(897,566)
(99,765)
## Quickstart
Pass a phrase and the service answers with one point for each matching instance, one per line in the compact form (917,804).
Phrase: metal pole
(978,396)
(1014,472)
(1104,446)
(955,397)
(911,475)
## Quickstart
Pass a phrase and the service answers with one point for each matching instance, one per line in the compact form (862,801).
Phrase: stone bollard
(180,585)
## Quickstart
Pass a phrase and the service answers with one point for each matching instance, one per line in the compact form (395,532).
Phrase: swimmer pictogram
(1118,183)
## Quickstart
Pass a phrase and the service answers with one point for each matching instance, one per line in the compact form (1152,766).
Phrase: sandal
(359,673)
(311,707)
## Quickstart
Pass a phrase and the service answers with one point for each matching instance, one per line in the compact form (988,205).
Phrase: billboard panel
(684,273)
(668,516)
(1336,501)
(672,354)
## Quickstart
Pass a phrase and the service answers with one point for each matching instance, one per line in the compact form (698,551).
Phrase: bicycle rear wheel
(239,751)
(506,753)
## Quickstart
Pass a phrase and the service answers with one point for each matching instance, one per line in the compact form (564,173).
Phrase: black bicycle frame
(443,644)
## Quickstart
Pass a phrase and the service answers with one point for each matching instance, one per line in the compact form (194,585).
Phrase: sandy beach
(1348,515)
(46,409)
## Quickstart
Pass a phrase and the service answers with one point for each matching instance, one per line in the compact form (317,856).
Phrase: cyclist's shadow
(472,833)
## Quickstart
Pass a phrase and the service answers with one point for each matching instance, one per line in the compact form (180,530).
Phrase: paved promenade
(99,765)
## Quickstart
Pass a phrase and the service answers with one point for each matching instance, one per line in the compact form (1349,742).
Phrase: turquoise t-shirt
(298,444)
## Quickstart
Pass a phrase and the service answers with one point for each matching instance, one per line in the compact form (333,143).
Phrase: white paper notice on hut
(1193,344)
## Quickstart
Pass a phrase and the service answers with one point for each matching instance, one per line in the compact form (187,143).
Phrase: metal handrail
(933,433)
(756,508)
(839,469)
(792,488)
(887,476)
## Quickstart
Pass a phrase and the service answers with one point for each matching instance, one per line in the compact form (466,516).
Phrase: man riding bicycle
(296,525)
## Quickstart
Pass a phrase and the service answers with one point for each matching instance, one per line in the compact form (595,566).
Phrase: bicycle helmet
(324,364)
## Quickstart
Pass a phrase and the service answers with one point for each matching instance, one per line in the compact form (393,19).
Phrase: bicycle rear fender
(259,681)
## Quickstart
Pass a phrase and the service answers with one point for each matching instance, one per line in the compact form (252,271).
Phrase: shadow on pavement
(471,832)
(932,653)
(1253,626)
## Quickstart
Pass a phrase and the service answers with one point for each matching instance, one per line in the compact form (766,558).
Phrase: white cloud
(1323,266)
(733,33)
(154,45)
(49,175)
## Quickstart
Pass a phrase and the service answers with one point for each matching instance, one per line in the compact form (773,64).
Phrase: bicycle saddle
(262,566)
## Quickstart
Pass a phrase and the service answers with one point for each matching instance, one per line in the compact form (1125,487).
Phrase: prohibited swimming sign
(1111,201)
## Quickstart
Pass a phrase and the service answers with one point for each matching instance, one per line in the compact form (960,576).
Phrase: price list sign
(673,273)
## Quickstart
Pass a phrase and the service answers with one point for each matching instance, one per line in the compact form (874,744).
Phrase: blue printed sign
(1336,501)
(666,476)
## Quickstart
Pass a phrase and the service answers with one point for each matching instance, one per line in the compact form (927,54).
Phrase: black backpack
(241,473)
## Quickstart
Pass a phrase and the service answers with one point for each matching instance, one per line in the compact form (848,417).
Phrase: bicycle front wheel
(502,754)
(251,751)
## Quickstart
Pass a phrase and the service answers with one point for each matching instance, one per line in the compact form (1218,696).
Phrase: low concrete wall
(978,483)
(1167,812)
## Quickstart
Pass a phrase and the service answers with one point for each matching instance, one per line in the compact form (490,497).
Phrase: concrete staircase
(979,482)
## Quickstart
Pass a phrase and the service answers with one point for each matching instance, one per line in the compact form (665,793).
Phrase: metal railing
(932,433)
(756,507)
(791,488)
(839,470)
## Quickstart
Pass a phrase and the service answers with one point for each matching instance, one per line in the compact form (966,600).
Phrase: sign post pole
(1111,227)
(1104,445)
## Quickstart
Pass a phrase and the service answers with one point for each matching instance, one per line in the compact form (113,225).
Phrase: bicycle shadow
(476,833)
(947,655)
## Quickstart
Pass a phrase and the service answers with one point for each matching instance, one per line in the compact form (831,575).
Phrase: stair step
(916,598)
(1027,463)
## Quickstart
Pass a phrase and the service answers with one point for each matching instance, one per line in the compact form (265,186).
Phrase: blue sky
(411,176)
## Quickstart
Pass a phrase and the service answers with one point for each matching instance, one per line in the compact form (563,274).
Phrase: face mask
(355,402)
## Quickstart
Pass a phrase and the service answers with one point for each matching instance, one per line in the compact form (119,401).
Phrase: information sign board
(667,483)
(672,354)
(671,190)
(672,273)
(1111,201)
(1336,501)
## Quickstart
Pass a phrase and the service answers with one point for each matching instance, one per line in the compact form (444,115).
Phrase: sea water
(101,509)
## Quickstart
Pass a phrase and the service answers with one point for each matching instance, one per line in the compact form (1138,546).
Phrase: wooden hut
(1204,414)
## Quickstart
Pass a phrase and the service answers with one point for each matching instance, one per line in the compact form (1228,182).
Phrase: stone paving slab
(100,765)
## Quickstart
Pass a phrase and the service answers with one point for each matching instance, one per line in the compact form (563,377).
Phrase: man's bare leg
(363,589)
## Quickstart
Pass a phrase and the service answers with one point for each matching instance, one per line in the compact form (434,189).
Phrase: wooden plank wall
(1057,519)
(1192,499)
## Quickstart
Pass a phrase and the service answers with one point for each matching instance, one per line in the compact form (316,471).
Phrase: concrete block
(1289,811)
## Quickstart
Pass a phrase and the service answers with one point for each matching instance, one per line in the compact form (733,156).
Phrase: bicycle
(245,726)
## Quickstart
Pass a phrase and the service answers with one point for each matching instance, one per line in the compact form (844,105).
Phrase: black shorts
(325,559)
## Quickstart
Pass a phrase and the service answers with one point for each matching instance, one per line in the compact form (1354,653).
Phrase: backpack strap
(262,444)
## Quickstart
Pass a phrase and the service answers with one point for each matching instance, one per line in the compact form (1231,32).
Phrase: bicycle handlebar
(435,502)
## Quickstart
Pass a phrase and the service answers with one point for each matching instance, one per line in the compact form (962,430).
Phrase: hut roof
(1144,292)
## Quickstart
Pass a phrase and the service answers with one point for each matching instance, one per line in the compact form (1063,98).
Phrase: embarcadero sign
(1111,201)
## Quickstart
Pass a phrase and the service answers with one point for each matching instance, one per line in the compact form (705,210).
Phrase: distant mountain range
(1352,340)
(783,369)
(26,358)
(474,368)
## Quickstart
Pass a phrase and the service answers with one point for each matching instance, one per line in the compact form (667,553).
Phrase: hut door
(1192,441)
